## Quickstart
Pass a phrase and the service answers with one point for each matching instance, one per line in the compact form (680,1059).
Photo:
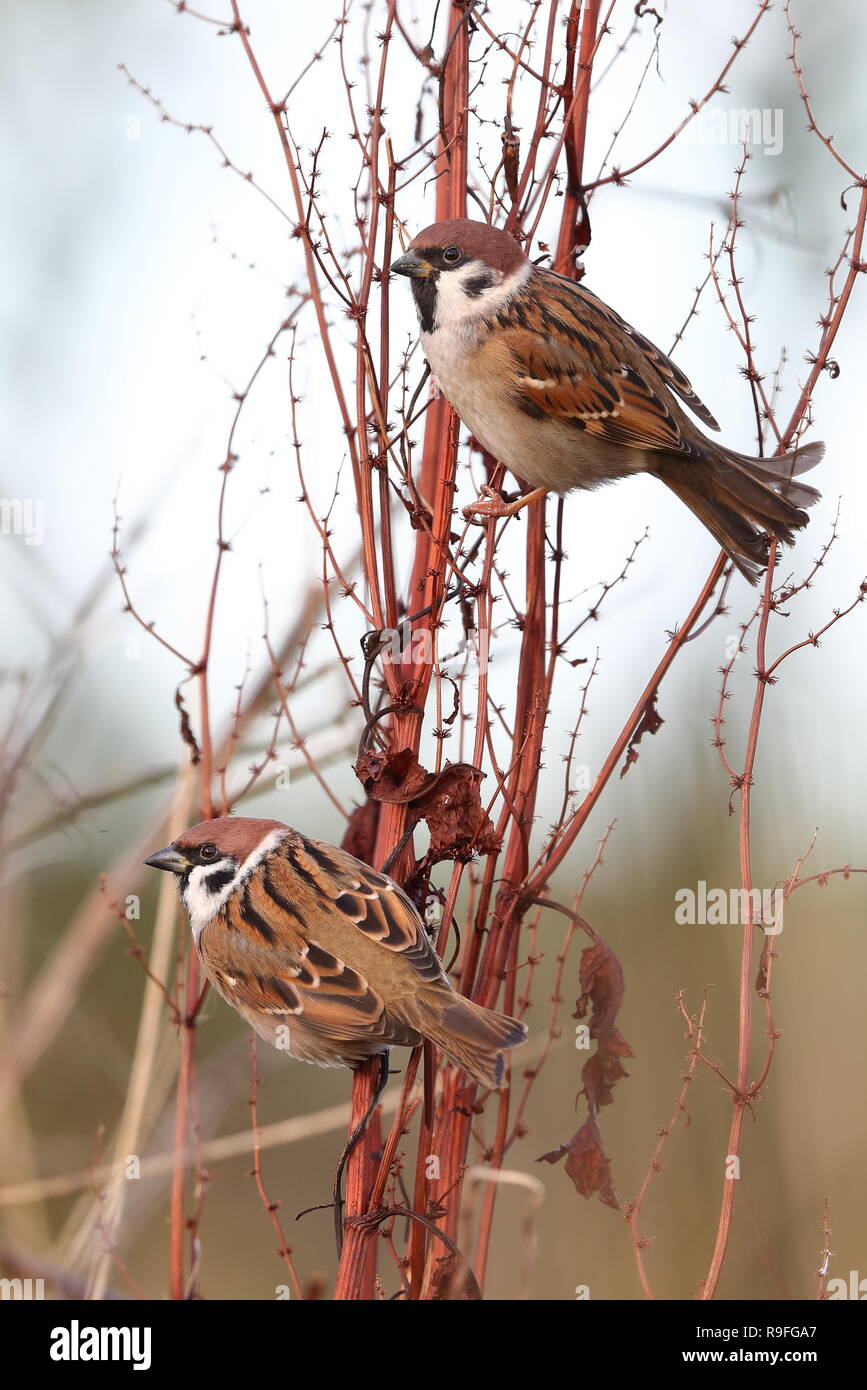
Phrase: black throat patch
(424,292)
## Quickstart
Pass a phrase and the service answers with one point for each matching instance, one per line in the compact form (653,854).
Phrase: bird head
(460,269)
(212,860)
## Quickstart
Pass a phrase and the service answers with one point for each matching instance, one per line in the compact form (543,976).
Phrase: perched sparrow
(557,387)
(325,958)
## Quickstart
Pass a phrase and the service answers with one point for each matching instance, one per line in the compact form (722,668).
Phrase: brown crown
(477,240)
(237,836)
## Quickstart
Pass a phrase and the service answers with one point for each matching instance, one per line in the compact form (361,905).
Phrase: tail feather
(470,1036)
(780,472)
(759,503)
(781,467)
(742,500)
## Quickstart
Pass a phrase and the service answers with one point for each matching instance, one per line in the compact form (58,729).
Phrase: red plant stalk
(573,220)
(178,1225)
(482,977)
(436,482)
(745,1092)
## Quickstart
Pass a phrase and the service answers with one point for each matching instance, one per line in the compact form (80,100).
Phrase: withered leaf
(395,777)
(601,1073)
(511,156)
(651,721)
(449,801)
(586,1163)
(359,837)
(449,1280)
(458,823)
(600,978)
(187,734)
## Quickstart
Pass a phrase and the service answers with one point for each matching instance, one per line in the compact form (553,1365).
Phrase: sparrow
(559,388)
(325,958)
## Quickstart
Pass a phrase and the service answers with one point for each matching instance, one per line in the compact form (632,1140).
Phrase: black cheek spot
(216,882)
(478,283)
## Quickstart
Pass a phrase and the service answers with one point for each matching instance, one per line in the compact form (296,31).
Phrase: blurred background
(144,280)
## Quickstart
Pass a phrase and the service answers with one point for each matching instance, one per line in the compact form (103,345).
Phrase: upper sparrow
(324,957)
(561,390)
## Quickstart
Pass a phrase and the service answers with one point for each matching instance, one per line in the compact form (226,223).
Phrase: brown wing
(283,937)
(563,344)
(372,902)
(311,991)
(677,380)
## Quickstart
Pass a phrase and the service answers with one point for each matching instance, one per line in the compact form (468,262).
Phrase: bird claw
(491,506)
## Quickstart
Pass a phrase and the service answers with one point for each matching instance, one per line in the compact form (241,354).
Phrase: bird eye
(208,852)
(452,255)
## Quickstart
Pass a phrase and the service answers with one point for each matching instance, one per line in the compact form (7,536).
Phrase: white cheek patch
(459,300)
(203,903)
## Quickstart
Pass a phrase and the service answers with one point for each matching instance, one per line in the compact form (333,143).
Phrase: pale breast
(544,452)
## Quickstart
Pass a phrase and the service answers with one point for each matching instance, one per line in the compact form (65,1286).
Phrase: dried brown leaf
(651,721)
(394,777)
(359,837)
(600,978)
(187,734)
(449,801)
(458,823)
(586,1163)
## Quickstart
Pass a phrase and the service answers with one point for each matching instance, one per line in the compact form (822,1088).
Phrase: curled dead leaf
(449,801)
(458,823)
(392,776)
(586,1163)
(651,721)
(187,734)
(600,978)
(359,837)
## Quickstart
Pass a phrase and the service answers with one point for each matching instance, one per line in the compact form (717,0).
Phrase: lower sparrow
(567,395)
(327,959)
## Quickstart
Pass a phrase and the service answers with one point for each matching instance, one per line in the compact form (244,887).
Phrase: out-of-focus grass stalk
(227,1146)
(18,1155)
(151,1023)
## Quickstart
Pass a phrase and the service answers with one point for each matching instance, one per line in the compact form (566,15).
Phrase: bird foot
(493,505)
(490,506)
